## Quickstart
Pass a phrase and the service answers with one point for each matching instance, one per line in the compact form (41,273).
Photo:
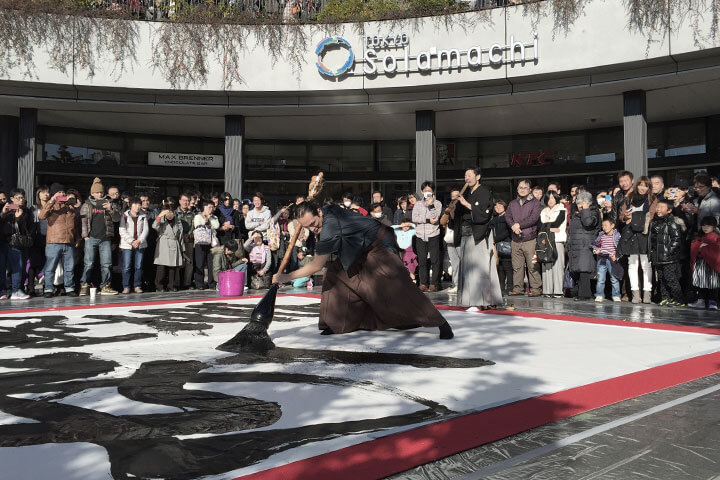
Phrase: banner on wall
(163,159)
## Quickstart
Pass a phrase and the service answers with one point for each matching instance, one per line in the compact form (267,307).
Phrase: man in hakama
(366,286)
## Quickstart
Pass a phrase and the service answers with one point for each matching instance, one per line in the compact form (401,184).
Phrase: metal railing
(299,9)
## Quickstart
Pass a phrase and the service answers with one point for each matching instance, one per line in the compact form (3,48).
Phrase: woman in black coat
(584,227)
(230,220)
(633,221)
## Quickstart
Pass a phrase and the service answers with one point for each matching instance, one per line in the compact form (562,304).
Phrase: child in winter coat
(605,247)
(666,245)
(260,259)
(705,264)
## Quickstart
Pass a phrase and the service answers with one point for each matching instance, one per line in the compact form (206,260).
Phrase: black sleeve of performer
(481,202)
(346,234)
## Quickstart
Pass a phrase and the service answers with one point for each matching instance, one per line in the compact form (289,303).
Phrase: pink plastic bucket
(231,283)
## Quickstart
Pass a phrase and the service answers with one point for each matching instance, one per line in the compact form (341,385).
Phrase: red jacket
(710,252)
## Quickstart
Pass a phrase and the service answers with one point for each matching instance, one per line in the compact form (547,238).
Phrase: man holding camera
(61,239)
(97,216)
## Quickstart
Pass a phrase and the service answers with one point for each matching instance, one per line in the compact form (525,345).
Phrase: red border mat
(396,453)
(402,451)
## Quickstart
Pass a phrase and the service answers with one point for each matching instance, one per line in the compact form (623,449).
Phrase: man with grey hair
(657,186)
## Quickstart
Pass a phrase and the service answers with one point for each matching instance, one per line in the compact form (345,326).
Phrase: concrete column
(425,153)
(27,131)
(234,137)
(8,152)
(635,131)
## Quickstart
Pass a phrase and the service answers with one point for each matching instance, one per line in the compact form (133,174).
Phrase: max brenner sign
(185,160)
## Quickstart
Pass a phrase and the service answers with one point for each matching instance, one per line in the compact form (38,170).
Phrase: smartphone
(62,198)
(12,206)
(608,198)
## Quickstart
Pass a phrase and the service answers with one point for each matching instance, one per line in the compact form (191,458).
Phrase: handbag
(504,248)
(273,236)
(203,235)
(20,240)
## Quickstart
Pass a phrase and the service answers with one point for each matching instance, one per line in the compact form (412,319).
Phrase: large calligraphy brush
(253,338)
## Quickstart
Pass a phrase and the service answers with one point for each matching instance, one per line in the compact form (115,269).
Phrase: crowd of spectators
(66,243)
(642,241)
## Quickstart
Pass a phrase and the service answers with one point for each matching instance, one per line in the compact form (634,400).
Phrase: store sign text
(390,54)
(185,160)
(530,159)
(436,59)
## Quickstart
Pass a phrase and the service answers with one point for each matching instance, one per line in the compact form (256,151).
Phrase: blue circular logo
(334,42)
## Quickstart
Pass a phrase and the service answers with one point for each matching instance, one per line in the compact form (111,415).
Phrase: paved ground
(668,434)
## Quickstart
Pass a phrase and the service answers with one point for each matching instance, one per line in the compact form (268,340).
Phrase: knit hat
(97,186)
(56,187)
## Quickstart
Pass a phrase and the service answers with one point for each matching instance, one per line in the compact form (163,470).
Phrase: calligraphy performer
(366,286)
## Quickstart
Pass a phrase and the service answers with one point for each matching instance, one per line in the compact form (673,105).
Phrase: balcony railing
(288,10)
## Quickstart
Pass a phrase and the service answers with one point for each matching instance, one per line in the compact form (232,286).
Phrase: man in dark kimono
(366,286)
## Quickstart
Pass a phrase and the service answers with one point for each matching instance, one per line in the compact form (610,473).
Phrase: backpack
(545,249)
(273,236)
(258,254)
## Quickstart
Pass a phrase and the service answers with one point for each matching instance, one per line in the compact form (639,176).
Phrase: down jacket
(666,240)
(584,227)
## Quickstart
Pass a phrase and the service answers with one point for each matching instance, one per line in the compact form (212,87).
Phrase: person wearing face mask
(376,212)
(426,217)
(205,225)
(347,200)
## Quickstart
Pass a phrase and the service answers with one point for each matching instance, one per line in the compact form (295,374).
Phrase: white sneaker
(472,309)
(617,299)
(599,299)
(19,295)
(712,305)
(451,290)
(699,304)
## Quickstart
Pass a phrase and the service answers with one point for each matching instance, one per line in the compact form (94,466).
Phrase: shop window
(532,151)
(676,139)
(396,156)
(604,146)
(457,154)
(270,156)
(495,152)
(342,157)
(67,147)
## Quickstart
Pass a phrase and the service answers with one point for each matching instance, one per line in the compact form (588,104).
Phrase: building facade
(378,106)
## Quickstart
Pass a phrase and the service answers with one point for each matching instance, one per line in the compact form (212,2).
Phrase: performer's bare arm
(315,265)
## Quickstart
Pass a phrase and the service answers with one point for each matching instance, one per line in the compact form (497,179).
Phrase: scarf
(227,213)
(639,200)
